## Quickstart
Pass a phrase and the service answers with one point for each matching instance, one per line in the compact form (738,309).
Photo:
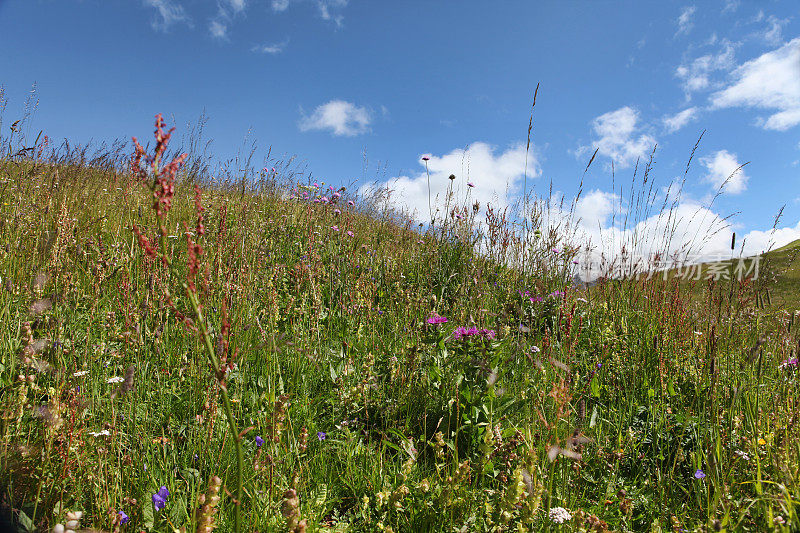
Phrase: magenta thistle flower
(437,319)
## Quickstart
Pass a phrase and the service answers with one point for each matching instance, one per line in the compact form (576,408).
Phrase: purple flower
(160,498)
(337,212)
(436,319)
(259,441)
(556,294)
(123,518)
(321,435)
(350,233)
(699,474)
(351,203)
(555,251)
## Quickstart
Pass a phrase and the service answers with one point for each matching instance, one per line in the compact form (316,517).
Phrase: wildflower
(259,441)
(115,379)
(80,373)
(337,212)
(103,433)
(335,228)
(559,515)
(742,454)
(160,498)
(788,363)
(321,435)
(761,441)
(556,294)
(699,474)
(123,518)
(555,251)
(350,233)
(437,319)
(535,349)
(351,203)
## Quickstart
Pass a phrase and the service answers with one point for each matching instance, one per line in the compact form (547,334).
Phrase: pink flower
(337,212)
(437,319)
(351,203)
(335,228)
(350,233)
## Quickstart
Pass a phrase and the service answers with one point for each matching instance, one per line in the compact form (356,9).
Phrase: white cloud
(696,74)
(685,19)
(168,13)
(722,172)
(496,179)
(237,5)
(677,121)
(771,82)
(273,49)
(617,137)
(730,6)
(340,117)
(326,8)
(774,32)
(218,29)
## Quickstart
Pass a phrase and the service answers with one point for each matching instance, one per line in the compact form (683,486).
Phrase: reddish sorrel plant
(163,187)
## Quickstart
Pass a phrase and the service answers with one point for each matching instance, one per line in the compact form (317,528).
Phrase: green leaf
(25,522)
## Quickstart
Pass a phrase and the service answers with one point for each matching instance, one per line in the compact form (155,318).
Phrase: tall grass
(272,354)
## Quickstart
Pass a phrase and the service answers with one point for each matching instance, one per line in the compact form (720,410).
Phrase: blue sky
(332,80)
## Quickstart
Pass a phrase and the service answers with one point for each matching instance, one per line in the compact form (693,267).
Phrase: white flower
(742,454)
(104,433)
(559,515)
(80,373)
(116,379)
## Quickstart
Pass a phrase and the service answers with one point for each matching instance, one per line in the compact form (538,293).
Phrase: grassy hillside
(188,358)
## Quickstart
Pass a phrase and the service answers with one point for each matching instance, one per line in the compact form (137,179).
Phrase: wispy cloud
(168,12)
(619,138)
(677,121)
(773,34)
(273,49)
(328,9)
(339,117)
(218,29)
(724,170)
(226,11)
(768,82)
(684,21)
(696,74)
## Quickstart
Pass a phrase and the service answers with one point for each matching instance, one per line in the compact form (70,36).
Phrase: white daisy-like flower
(104,433)
(559,515)
(115,379)
(80,373)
